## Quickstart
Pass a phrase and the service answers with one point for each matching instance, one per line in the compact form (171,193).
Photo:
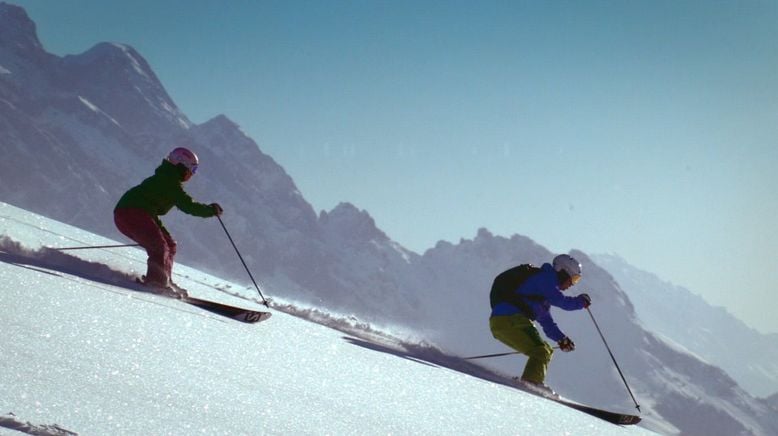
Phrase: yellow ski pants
(519,333)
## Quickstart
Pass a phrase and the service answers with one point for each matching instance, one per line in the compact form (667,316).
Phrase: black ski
(612,417)
(237,313)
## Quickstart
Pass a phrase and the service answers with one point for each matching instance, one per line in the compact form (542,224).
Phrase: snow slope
(100,359)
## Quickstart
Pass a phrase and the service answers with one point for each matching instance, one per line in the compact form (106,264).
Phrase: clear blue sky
(643,128)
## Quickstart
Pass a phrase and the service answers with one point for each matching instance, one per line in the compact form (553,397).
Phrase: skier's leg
(170,252)
(518,332)
(140,226)
(539,357)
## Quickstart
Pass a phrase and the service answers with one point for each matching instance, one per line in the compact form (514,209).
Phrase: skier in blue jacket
(525,294)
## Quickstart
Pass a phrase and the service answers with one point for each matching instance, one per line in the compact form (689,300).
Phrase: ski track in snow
(49,258)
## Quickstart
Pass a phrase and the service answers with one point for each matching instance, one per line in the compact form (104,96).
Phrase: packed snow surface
(87,357)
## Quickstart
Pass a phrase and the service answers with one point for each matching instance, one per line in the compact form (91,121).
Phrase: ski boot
(167,289)
(541,389)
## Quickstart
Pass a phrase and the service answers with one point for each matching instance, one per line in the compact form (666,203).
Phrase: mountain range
(707,331)
(77,131)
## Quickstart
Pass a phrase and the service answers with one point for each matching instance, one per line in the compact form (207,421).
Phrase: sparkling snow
(101,359)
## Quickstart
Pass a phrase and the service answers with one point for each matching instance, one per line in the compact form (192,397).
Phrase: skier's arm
(185,203)
(556,298)
(549,327)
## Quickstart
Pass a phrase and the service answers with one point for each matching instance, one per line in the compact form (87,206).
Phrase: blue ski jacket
(542,292)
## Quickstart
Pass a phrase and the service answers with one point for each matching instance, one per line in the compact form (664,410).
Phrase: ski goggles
(575,278)
(193,169)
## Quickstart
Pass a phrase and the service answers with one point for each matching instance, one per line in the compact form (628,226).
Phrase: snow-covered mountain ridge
(72,149)
(707,331)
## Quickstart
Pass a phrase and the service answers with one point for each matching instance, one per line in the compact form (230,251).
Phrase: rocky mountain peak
(118,80)
(224,129)
(115,55)
(349,222)
(222,121)
(17,30)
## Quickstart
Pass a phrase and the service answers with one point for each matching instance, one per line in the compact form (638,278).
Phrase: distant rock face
(115,78)
(23,61)
(78,131)
(348,223)
(772,401)
(707,331)
(18,32)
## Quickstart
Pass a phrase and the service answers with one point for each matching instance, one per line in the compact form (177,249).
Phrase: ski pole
(264,301)
(637,406)
(497,355)
(491,355)
(90,247)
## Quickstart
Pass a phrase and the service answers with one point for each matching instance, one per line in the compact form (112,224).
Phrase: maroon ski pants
(141,227)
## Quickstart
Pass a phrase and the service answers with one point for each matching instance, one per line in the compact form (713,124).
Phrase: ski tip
(255,317)
(629,420)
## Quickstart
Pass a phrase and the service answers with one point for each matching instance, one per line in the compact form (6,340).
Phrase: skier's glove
(566,344)
(217,210)
(586,299)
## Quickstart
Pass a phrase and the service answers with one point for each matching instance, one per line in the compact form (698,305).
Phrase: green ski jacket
(160,192)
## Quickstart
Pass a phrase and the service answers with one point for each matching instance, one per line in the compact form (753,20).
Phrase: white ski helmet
(184,156)
(569,265)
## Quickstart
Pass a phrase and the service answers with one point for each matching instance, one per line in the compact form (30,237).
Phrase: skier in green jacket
(137,213)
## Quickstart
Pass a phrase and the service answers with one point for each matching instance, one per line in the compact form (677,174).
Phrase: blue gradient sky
(643,128)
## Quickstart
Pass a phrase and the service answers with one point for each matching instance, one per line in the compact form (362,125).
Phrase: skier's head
(568,270)
(186,158)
